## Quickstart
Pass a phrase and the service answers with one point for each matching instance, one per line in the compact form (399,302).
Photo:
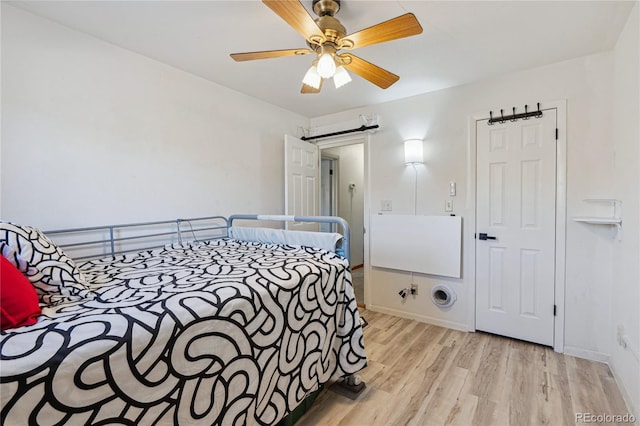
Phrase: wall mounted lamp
(413,152)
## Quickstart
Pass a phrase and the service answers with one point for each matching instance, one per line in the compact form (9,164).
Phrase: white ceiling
(462,42)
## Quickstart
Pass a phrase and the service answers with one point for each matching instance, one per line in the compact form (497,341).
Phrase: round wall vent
(442,296)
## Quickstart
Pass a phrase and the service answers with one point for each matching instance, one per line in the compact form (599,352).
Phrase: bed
(201,330)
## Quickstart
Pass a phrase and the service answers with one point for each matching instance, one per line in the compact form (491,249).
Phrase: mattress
(218,332)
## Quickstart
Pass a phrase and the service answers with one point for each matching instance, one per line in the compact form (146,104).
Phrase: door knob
(482,236)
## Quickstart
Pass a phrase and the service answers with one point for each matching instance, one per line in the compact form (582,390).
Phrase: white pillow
(324,240)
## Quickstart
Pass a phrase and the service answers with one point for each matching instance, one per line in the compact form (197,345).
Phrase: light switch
(452,188)
(385,205)
(448,206)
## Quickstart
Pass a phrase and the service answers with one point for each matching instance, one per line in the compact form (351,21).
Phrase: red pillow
(18,299)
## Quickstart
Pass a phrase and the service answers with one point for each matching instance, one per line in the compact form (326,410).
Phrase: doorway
(343,191)
(515,217)
(329,166)
(519,171)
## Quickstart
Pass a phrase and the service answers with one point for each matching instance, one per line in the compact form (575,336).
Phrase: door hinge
(331,171)
(556,133)
(555,310)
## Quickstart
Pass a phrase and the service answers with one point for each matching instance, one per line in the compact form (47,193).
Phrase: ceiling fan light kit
(326,62)
(312,77)
(326,37)
(341,77)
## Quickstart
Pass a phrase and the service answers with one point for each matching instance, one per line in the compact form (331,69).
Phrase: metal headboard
(111,240)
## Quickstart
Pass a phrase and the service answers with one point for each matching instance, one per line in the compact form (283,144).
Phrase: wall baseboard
(632,405)
(420,318)
(586,354)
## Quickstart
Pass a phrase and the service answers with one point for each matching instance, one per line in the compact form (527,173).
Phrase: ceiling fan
(327,38)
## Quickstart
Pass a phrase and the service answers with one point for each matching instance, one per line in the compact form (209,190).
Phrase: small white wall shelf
(608,213)
(599,220)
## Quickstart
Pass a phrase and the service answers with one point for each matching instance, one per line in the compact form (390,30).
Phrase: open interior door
(301,181)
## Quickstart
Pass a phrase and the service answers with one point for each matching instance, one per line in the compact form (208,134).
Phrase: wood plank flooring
(421,374)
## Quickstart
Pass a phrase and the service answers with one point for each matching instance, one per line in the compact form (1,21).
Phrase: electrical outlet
(448,206)
(386,206)
(414,289)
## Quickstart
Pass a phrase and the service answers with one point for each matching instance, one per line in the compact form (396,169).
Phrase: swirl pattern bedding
(218,332)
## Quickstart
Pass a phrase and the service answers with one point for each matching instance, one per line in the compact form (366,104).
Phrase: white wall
(626,252)
(95,134)
(351,203)
(441,119)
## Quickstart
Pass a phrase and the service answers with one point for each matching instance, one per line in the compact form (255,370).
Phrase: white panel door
(302,181)
(516,193)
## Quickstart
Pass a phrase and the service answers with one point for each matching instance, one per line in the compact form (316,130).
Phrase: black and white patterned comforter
(222,332)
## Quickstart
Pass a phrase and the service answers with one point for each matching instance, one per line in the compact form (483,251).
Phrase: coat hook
(514,119)
(539,113)
(526,112)
(501,116)
(491,123)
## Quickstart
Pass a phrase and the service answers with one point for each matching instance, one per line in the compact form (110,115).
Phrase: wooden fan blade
(378,76)
(403,26)
(306,89)
(294,13)
(266,54)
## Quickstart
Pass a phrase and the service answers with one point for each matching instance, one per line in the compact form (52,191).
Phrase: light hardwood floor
(421,374)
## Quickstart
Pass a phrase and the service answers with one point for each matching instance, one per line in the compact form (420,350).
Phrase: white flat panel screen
(425,244)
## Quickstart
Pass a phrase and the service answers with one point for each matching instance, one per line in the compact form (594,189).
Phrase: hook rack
(514,117)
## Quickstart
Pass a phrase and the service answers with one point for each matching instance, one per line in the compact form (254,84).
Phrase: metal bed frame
(111,240)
